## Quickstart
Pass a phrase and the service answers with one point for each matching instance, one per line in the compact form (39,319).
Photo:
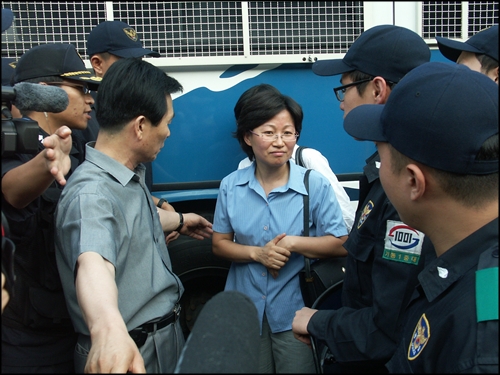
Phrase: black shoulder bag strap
(307,263)
(298,157)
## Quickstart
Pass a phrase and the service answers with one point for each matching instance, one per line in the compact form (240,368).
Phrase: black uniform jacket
(449,328)
(377,286)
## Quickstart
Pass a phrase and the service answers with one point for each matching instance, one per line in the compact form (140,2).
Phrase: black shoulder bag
(316,277)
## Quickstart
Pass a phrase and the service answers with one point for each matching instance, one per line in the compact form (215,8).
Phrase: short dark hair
(470,190)
(487,63)
(356,75)
(130,88)
(259,104)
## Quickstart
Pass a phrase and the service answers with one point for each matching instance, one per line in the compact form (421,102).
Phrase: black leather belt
(140,334)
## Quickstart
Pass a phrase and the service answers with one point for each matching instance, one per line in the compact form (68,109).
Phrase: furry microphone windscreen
(225,337)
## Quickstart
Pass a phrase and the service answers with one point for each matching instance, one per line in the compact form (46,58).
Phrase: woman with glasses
(311,158)
(37,332)
(258,224)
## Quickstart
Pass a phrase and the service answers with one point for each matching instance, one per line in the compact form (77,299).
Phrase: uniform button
(495,253)
(263,297)
(265,227)
(442,272)
(263,274)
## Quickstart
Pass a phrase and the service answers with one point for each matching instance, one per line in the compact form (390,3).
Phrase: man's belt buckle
(177,310)
(140,334)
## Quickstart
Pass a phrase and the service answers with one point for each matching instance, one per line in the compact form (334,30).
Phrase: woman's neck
(272,178)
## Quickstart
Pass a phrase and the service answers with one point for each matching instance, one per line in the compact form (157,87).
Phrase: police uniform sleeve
(369,333)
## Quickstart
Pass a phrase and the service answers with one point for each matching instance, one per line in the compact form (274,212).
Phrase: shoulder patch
(402,243)
(487,294)
(364,214)
(420,337)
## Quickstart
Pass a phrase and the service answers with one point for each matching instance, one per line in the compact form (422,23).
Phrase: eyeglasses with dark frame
(269,136)
(83,88)
(341,90)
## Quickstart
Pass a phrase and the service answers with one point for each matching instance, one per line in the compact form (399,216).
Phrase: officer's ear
(416,180)
(97,64)
(381,90)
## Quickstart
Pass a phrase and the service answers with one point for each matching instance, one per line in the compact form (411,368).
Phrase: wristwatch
(181,222)
(160,202)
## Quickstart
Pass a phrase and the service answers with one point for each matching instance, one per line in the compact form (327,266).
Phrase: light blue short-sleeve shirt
(243,209)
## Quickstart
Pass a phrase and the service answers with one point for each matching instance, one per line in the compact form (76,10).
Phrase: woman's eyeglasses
(270,136)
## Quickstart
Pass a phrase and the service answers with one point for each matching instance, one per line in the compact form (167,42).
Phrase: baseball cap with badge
(439,115)
(484,42)
(58,59)
(117,38)
(386,50)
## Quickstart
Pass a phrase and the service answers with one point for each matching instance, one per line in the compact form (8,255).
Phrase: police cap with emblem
(117,38)
(58,59)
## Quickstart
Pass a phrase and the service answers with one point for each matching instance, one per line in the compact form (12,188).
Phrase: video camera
(18,135)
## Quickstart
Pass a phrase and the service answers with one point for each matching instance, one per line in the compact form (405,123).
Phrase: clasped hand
(273,256)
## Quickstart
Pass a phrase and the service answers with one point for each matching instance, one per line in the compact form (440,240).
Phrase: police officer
(479,52)
(449,191)
(107,43)
(37,333)
(384,254)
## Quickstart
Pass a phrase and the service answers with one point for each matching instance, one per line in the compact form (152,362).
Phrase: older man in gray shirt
(111,252)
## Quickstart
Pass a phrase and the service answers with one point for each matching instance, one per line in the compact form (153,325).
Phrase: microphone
(225,337)
(34,97)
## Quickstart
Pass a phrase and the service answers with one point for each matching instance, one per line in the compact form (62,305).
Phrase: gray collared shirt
(106,208)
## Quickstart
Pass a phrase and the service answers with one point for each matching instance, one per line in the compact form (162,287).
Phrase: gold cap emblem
(131,33)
